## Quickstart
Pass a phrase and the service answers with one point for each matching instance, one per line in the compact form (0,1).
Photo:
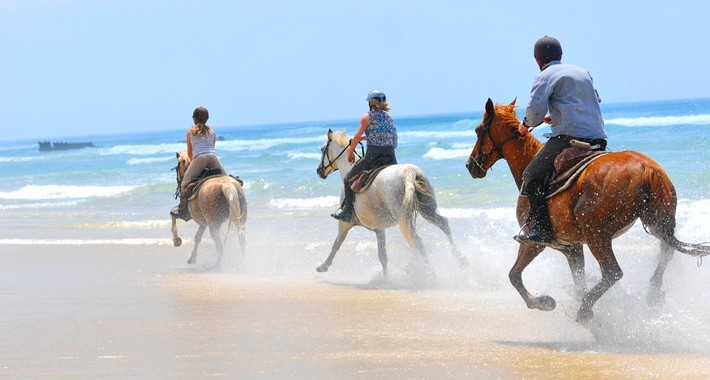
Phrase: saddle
(569,164)
(194,186)
(362,180)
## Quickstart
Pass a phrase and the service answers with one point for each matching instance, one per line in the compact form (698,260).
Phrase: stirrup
(342,215)
(180,213)
(535,236)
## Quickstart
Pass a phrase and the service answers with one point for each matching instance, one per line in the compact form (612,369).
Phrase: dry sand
(93,311)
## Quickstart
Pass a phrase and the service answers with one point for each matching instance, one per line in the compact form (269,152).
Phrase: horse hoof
(322,269)
(177,242)
(191,261)
(584,316)
(464,263)
(544,303)
(656,298)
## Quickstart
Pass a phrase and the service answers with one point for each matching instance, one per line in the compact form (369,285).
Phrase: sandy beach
(122,311)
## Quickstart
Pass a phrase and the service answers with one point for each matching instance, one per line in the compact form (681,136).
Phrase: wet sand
(110,311)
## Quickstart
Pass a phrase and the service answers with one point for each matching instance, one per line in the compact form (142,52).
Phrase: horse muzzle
(321,173)
(475,169)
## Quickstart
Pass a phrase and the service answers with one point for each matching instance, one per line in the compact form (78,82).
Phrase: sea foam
(305,203)
(446,154)
(36,192)
(660,121)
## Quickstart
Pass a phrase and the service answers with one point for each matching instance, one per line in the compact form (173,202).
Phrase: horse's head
(183,161)
(331,151)
(499,126)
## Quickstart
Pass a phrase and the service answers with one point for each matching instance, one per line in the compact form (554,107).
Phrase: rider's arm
(189,145)
(364,123)
(539,102)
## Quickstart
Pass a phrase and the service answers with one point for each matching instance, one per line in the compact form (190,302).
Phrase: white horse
(396,195)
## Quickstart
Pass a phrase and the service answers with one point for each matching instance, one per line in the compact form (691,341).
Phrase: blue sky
(73,68)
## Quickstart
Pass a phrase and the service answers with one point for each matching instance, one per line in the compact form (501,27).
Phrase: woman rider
(200,148)
(381,136)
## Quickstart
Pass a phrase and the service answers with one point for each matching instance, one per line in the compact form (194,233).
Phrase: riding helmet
(376,97)
(548,49)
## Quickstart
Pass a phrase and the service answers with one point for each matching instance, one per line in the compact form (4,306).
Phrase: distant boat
(46,146)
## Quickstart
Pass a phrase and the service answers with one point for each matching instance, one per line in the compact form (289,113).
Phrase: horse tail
(659,214)
(410,203)
(235,209)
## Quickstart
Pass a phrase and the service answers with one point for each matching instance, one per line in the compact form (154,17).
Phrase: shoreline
(140,311)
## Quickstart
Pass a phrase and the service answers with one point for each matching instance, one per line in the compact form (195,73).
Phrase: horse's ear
(330,133)
(513,102)
(489,108)
(177,155)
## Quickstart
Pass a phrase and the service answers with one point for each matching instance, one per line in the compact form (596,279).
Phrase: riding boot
(345,212)
(541,230)
(181,211)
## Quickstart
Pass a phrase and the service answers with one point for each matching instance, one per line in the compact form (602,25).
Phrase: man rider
(568,92)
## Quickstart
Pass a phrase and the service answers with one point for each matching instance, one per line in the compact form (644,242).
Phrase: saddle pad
(363,180)
(566,179)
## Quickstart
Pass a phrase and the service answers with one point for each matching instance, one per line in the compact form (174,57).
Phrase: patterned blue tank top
(381,131)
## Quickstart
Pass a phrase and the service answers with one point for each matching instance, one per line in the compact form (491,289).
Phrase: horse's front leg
(575,259)
(526,254)
(198,239)
(343,229)
(176,239)
(382,250)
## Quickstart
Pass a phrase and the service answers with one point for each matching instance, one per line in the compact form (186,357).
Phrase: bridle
(326,154)
(498,148)
(179,179)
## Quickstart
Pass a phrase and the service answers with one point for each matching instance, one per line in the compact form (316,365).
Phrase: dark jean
(543,162)
(375,156)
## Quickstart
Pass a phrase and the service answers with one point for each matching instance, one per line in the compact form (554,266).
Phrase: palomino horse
(609,196)
(219,199)
(394,197)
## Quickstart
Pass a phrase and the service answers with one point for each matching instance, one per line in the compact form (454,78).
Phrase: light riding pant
(203,161)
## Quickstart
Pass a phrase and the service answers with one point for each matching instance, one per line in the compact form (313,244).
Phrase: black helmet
(548,49)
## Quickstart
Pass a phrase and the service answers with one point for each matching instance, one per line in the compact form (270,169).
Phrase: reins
(327,155)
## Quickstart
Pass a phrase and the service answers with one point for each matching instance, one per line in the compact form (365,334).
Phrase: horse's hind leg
(343,229)
(575,259)
(611,274)
(215,232)
(382,250)
(198,239)
(655,294)
(406,225)
(430,213)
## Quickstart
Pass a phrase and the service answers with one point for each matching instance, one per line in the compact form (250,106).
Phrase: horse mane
(507,116)
(341,138)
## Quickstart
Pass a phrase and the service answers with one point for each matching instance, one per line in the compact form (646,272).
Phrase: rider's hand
(523,129)
(351,157)
(547,119)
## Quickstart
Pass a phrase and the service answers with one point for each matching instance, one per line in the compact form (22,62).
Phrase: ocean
(116,198)
(122,190)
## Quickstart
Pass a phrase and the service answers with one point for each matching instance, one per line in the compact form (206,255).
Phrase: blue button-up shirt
(567,91)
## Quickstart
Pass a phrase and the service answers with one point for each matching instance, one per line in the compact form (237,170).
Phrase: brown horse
(609,196)
(219,199)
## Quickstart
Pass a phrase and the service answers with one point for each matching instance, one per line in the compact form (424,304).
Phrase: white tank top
(202,144)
